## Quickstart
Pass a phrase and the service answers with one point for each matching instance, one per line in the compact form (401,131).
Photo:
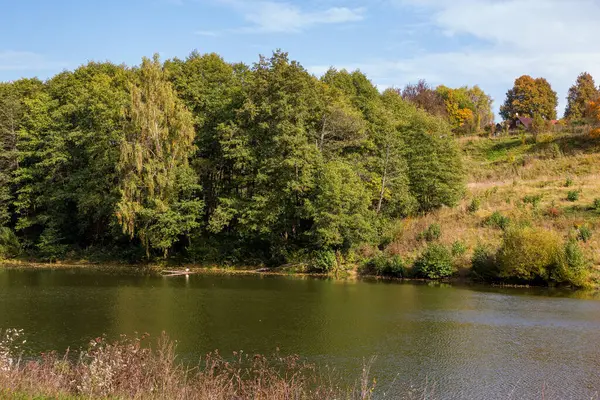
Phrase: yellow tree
(593,112)
(159,201)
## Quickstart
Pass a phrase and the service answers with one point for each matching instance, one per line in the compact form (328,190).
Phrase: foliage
(528,253)
(158,202)
(434,263)
(596,205)
(323,261)
(572,267)
(484,265)
(382,265)
(205,160)
(573,195)
(569,182)
(9,243)
(530,97)
(580,95)
(469,109)
(458,249)
(497,220)
(584,233)
(534,200)
(474,205)
(432,233)
(425,98)
(434,181)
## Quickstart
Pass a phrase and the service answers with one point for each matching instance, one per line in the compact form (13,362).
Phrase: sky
(453,42)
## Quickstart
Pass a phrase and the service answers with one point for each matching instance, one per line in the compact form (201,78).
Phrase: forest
(214,161)
(204,161)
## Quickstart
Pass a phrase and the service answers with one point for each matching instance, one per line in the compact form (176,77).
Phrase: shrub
(134,368)
(9,243)
(474,205)
(323,260)
(584,233)
(497,220)
(458,249)
(432,233)
(534,200)
(386,266)
(528,254)
(553,212)
(484,263)
(596,205)
(434,263)
(573,268)
(569,182)
(573,195)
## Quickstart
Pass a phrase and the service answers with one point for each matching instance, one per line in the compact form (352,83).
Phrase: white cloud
(25,60)
(523,24)
(285,17)
(499,40)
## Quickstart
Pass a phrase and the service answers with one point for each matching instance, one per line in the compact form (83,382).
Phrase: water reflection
(472,342)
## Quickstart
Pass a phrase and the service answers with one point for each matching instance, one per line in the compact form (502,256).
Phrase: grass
(524,182)
(130,369)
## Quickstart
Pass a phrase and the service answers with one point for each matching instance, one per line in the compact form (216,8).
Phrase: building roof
(526,121)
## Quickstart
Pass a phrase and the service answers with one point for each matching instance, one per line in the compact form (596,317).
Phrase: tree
(530,97)
(158,188)
(10,116)
(580,95)
(425,98)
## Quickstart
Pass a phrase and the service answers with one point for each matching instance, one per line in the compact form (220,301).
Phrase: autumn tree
(159,200)
(580,95)
(530,97)
(425,98)
(468,109)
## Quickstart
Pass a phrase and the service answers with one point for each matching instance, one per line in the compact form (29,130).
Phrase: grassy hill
(551,184)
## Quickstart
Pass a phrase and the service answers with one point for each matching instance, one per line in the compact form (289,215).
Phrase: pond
(455,342)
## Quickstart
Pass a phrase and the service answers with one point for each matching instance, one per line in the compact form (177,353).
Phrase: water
(458,342)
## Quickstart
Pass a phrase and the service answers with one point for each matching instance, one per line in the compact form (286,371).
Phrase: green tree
(530,97)
(158,188)
(580,95)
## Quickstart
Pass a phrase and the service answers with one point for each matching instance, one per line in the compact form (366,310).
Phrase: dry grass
(503,172)
(128,369)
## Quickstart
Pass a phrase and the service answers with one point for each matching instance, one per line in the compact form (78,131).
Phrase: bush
(432,233)
(553,212)
(9,243)
(385,266)
(534,200)
(474,205)
(596,205)
(497,220)
(458,249)
(533,255)
(323,260)
(569,182)
(584,233)
(434,263)
(527,254)
(573,195)
(572,268)
(484,263)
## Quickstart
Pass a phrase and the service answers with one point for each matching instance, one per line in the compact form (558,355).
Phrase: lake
(457,342)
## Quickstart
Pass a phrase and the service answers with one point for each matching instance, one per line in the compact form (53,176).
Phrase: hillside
(515,179)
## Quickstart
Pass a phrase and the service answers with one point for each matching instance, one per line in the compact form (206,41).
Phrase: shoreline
(198,269)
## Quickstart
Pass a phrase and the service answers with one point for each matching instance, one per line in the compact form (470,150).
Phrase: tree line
(209,161)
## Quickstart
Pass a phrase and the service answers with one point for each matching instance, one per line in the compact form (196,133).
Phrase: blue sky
(454,42)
